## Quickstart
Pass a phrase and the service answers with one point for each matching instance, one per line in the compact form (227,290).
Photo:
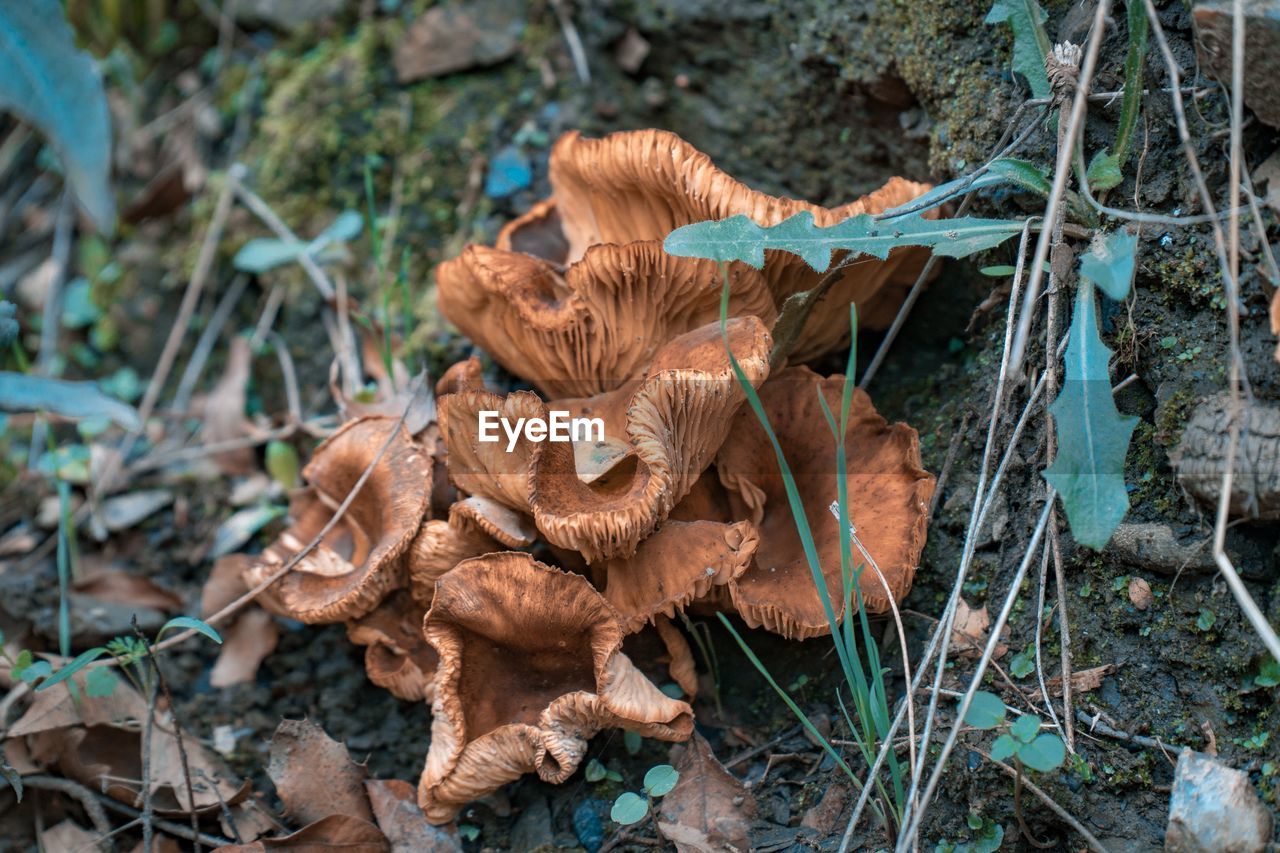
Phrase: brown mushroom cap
(641,185)
(599,323)
(398,657)
(888,495)
(670,424)
(362,558)
(476,526)
(530,668)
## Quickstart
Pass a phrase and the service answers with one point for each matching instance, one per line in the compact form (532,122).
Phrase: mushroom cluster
(497,580)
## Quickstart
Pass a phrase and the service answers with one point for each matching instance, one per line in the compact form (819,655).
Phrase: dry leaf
(709,810)
(335,832)
(124,511)
(163,844)
(970,631)
(631,51)
(223,411)
(247,643)
(827,815)
(456,36)
(314,775)
(55,708)
(117,586)
(67,837)
(1082,681)
(224,584)
(395,804)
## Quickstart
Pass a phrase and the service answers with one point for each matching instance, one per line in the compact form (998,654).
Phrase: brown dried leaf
(223,411)
(314,775)
(117,586)
(67,837)
(247,643)
(970,631)
(225,583)
(1082,681)
(55,708)
(456,36)
(335,832)
(395,804)
(709,810)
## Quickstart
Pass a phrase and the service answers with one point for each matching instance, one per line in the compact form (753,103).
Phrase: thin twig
(204,346)
(263,211)
(148,826)
(175,829)
(82,795)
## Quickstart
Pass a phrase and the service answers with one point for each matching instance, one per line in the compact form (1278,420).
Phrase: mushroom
(398,657)
(661,432)
(888,494)
(530,668)
(477,525)
(597,324)
(641,185)
(361,559)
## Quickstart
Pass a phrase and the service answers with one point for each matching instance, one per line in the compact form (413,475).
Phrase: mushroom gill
(362,558)
(888,493)
(397,656)
(530,668)
(660,433)
(476,526)
(641,185)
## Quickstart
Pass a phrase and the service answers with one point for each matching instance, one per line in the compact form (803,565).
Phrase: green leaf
(1004,748)
(1043,754)
(1268,673)
(1025,728)
(595,771)
(100,682)
(631,740)
(739,239)
(629,808)
(1132,99)
(241,526)
(1023,663)
(1003,170)
(78,663)
(13,777)
(49,82)
(1093,436)
(1030,43)
(986,711)
(194,624)
(266,253)
(1025,174)
(469,831)
(1206,620)
(660,779)
(1110,263)
(22,393)
(999,271)
(282,463)
(1104,171)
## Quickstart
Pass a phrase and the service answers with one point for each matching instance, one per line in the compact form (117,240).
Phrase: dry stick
(907,836)
(947,463)
(268,316)
(168,826)
(1062,170)
(1044,688)
(204,346)
(1238,376)
(148,829)
(291,395)
(978,511)
(191,298)
(82,795)
(1090,839)
(573,40)
(263,211)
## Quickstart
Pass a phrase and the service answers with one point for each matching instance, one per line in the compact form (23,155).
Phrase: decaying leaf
(67,837)
(456,36)
(971,629)
(1082,681)
(395,804)
(223,410)
(335,832)
(314,775)
(55,709)
(118,586)
(248,641)
(708,811)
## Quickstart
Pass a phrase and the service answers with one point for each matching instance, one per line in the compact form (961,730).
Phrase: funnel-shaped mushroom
(362,557)
(601,498)
(398,657)
(597,324)
(888,502)
(641,185)
(476,526)
(530,668)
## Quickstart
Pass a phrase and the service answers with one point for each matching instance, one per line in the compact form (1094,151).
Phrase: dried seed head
(1062,67)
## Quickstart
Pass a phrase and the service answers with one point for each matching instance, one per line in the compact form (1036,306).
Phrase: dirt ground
(815,99)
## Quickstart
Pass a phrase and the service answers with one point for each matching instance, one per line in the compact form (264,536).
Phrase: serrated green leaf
(77,663)
(1004,748)
(1093,436)
(57,87)
(1104,171)
(660,779)
(739,239)
(1110,263)
(1030,43)
(1025,728)
(1043,754)
(629,808)
(194,624)
(986,711)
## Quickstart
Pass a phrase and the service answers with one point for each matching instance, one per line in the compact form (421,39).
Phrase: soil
(822,100)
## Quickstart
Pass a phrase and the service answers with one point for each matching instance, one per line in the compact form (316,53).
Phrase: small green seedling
(631,807)
(987,836)
(1268,673)
(1020,740)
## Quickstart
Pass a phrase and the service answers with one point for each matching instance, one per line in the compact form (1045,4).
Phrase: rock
(1261,50)
(457,36)
(1214,809)
(1140,595)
